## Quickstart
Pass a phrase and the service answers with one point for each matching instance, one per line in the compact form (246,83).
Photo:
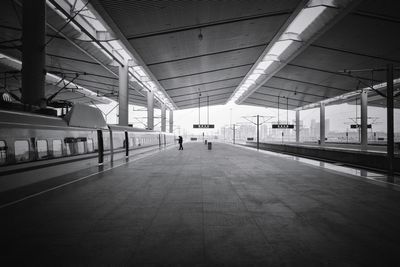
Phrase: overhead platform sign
(203,126)
(356,126)
(282,126)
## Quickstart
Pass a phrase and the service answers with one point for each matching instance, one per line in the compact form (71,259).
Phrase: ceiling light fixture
(200,36)
(308,22)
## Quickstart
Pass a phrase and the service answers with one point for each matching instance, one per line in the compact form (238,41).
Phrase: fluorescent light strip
(305,18)
(279,47)
(292,35)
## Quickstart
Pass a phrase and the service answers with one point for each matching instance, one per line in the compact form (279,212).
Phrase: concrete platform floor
(225,207)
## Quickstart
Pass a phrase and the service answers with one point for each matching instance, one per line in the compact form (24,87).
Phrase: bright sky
(340,117)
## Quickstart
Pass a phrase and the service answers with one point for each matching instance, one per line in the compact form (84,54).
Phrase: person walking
(180,141)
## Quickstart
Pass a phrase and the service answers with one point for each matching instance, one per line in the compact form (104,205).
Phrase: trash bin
(205,142)
(209,145)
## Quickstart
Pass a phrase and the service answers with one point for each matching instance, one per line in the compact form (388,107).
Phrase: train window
(70,148)
(131,142)
(81,147)
(21,150)
(106,140)
(41,148)
(57,148)
(118,139)
(90,145)
(3,152)
(69,145)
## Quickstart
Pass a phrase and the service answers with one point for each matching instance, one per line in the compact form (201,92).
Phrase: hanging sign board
(203,126)
(355,126)
(282,126)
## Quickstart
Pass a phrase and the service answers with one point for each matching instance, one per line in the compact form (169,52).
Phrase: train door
(100,146)
(159,140)
(111,145)
(126,144)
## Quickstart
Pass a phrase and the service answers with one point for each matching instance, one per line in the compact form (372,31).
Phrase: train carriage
(36,147)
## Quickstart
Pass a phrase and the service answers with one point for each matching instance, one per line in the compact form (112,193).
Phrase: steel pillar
(322,124)
(150,110)
(297,126)
(364,120)
(163,118)
(33,52)
(390,120)
(123,95)
(234,133)
(258,132)
(171,121)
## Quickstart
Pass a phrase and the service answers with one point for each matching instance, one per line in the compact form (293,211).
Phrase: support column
(258,132)
(297,126)
(33,52)
(234,133)
(364,120)
(322,124)
(123,95)
(150,110)
(390,121)
(171,121)
(163,118)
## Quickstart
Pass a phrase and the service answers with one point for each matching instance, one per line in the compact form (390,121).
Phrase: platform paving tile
(227,206)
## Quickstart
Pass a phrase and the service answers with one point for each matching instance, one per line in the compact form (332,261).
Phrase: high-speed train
(37,147)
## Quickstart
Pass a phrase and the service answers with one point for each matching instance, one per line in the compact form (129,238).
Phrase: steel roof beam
(207,54)
(192,99)
(204,72)
(247,102)
(291,91)
(73,59)
(207,91)
(310,83)
(270,101)
(354,53)
(209,24)
(285,97)
(195,104)
(87,73)
(330,72)
(376,16)
(192,85)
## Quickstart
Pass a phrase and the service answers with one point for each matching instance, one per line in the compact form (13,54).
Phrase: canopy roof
(211,47)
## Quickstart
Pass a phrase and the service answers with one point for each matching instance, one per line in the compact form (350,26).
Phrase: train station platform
(371,159)
(229,206)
